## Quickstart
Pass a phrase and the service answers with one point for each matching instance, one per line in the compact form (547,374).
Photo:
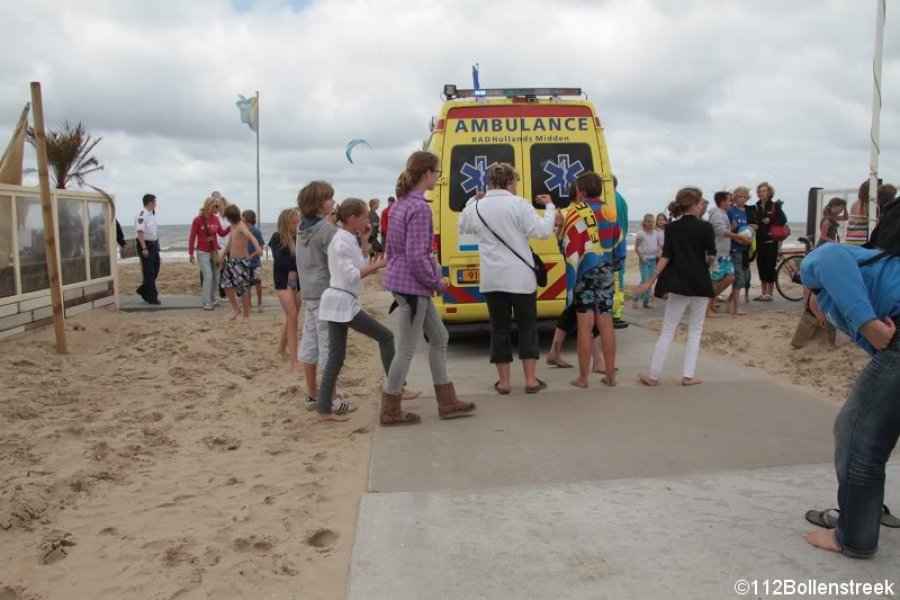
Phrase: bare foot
(283,354)
(325,417)
(712,315)
(610,381)
(647,380)
(232,316)
(555,360)
(824,539)
(579,383)
(739,313)
(691,381)
(410,394)
(245,320)
(602,370)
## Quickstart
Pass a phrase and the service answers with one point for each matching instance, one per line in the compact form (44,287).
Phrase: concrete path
(626,492)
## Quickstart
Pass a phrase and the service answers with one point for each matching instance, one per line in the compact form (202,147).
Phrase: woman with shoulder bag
(203,236)
(503,222)
(772,230)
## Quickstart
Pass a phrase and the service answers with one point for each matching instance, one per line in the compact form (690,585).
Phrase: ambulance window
(468,167)
(555,166)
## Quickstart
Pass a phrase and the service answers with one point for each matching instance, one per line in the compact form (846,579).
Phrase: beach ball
(746,232)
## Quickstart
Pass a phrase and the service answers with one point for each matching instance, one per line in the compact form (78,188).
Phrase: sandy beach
(163,458)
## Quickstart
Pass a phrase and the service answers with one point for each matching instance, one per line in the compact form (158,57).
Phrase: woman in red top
(204,229)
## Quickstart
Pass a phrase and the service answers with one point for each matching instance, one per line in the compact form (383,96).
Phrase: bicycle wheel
(787,279)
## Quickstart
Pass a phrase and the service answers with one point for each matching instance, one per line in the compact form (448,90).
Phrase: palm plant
(69,155)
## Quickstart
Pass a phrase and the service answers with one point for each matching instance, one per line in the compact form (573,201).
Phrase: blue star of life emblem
(562,174)
(476,175)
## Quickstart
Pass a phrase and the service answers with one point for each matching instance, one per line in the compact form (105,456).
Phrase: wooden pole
(56,295)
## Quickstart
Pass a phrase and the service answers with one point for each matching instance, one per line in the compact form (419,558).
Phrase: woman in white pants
(683,278)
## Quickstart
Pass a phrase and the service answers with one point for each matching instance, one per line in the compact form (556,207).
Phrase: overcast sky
(714,94)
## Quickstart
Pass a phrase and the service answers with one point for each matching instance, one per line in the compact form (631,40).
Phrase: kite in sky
(353,144)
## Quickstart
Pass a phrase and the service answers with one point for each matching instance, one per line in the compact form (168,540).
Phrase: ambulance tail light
(436,249)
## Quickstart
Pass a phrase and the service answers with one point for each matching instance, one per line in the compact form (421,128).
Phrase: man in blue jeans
(858,291)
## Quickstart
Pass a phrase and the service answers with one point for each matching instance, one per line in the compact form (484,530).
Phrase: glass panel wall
(71,241)
(32,257)
(7,254)
(98,213)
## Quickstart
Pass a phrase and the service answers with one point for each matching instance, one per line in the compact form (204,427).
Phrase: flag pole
(258,211)
(874,149)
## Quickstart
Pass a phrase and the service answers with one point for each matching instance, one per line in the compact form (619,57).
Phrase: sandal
(610,381)
(500,390)
(542,385)
(887,519)
(826,519)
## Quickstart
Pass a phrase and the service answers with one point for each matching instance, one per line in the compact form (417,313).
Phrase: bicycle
(787,274)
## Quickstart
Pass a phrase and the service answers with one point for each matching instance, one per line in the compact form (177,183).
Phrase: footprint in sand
(259,545)
(54,547)
(221,442)
(322,539)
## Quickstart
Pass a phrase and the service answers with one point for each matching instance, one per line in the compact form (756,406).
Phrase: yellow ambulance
(550,135)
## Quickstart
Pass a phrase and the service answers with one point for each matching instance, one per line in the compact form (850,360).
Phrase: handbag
(779,233)
(539,269)
(214,253)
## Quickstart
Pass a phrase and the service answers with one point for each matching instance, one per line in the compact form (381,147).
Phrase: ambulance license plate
(467,276)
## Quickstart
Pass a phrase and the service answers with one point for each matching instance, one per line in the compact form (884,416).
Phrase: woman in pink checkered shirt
(413,278)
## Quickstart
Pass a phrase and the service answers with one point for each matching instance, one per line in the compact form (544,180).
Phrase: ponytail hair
(501,175)
(418,164)
(685,199)
(351,207)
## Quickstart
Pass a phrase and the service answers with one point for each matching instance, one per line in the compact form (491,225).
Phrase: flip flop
(499,389)
(542,385)
(887,519)
(826,519)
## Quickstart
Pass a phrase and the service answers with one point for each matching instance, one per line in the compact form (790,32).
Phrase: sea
(173,239)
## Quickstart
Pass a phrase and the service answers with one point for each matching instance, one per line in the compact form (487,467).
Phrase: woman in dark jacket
(768,213)
(689,250)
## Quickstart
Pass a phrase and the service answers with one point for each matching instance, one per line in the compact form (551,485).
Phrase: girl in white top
(648,246)
(340,305)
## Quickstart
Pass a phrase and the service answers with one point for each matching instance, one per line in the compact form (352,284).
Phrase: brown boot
(391,413)
(449,405)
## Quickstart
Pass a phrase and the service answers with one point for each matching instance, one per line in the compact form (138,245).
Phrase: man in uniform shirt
(148,249)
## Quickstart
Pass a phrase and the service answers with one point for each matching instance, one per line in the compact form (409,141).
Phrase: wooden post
(40,139)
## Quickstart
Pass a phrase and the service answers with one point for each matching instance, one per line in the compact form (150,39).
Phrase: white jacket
(340,302)
(515,220)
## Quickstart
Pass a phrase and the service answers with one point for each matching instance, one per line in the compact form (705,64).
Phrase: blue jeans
(209,273)
(647,269)
(865,433)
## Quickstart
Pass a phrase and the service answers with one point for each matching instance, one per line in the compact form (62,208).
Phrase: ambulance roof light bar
(451,92)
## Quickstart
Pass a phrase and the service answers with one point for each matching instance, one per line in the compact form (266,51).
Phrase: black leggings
(500,307)
(766,257)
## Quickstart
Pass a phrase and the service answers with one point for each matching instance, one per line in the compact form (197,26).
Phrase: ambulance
(550,136)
